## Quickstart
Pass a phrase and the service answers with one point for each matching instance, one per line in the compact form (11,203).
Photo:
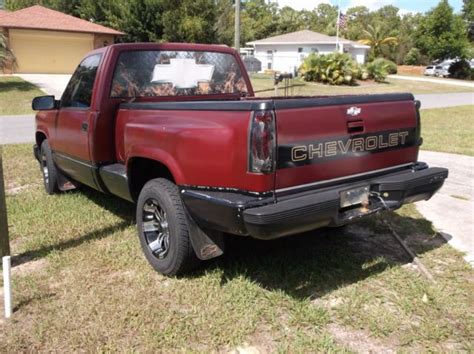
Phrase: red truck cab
(176,129)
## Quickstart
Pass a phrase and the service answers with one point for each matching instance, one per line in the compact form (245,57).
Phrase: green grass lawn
(448,129)
(83,284)
(263,85)
(16,95)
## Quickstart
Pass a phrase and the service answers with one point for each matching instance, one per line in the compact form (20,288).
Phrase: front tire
(48,169)
(163,228)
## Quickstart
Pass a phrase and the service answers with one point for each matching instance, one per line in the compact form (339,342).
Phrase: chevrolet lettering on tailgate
(353,146)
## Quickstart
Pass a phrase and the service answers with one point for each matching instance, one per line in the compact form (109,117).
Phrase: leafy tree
(260,18)
(468,10)
(290,20)
(143,22)
(358,18)
(66,6)
(413,57)
(442,34)
(189,21)
(377,39)
(224,25)
(468,16)
(324,19)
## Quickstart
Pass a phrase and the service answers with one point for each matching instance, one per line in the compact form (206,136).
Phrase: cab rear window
(152,73)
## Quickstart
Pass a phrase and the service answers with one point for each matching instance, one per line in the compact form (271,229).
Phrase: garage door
(49,52)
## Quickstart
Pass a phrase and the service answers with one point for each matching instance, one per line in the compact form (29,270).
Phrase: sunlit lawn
(16,95)
(83,284)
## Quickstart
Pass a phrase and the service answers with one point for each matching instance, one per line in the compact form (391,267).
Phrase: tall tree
(358,18)
(442,34)
(144,22)
(223,26)
(468,16)
(66,6)
(290,20)
(468,10)
(189,21)
(377,39)
(324,19)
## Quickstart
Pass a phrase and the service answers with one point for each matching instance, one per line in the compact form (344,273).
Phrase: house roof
(3,12)
(305,37)
(39,17)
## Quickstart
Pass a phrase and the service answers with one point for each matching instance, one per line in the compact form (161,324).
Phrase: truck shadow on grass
(315,263)
(308,265)
(311,264)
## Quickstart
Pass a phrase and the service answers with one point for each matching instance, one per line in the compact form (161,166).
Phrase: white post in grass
(7,285)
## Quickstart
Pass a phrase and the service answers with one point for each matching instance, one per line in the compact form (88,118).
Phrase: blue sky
(404,5)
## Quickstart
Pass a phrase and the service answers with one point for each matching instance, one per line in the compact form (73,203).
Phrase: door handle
(84,126)
(355,126)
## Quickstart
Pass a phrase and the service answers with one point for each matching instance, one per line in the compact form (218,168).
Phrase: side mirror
(43,103)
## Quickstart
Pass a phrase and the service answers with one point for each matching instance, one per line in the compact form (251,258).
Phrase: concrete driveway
(51,84)
(452,209)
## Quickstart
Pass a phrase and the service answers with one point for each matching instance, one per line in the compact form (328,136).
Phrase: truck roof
(168,46)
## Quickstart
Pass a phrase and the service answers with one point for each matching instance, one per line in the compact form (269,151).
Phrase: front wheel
(48,169)
(163,228)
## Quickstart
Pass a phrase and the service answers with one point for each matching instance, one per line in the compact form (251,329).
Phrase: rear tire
(163,228)
(48,169)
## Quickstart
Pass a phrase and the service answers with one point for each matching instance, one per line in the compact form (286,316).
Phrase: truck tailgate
(332,137)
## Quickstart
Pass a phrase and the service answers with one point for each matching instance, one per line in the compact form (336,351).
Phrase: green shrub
(333,69)
(391,66)
(413,57)
(378,70)
(362,73)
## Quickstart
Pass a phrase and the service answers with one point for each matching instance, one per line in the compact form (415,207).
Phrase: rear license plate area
(355,196)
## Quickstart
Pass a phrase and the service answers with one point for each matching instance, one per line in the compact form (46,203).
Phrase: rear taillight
(262,144)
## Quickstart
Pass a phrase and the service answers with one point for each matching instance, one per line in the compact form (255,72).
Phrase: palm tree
(376,38)
(6,54)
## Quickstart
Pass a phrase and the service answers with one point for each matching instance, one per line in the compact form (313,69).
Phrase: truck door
(71,144)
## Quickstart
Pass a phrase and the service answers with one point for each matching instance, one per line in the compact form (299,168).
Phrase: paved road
(441,100)
(435,80)
(452,209)
(17,129)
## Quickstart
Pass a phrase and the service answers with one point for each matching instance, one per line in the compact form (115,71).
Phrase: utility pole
(4,239)
(237,26)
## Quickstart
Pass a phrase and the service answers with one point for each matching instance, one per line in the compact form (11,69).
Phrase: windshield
(152,73)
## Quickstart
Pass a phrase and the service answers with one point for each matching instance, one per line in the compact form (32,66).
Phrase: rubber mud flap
(207,245)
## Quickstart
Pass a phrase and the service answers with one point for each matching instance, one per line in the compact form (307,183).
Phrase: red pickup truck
(176,129)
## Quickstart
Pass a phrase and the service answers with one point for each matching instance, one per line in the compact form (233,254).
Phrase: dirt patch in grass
(360,341)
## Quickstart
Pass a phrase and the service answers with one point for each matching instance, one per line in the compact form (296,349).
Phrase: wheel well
(141,170)
(40,137)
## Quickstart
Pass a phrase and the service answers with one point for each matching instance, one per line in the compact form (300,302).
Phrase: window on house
(300,50)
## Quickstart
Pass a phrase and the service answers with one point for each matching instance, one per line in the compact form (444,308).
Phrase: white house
(286,52)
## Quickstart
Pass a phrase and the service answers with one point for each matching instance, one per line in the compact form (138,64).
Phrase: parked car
(175,128)
(429,70)
(442,70)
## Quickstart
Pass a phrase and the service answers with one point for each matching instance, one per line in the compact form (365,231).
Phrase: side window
(78,92)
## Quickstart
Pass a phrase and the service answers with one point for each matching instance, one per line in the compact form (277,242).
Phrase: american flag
(342,20)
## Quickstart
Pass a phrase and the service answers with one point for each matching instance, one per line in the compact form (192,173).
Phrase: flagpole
(337,24)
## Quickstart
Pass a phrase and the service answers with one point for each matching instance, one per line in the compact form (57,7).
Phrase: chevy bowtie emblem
(354,111)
